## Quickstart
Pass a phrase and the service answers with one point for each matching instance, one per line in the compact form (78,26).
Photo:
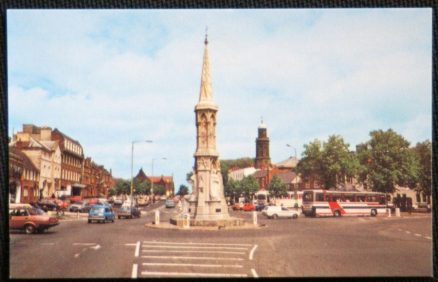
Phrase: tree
(159,189)
(249,185)
(423,151)
(311,163)
(143,187)
(276,187)
(232,188)
(123,186)
(111,192)
(183,190)
(330,163)
(386,161)
(338,163)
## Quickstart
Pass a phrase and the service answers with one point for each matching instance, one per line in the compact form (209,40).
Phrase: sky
(108,77)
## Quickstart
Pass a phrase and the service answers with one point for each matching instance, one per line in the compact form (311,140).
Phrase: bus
(342,203)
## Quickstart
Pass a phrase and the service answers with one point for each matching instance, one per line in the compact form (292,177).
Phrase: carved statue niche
(211,129)
(215,186)
(203,129)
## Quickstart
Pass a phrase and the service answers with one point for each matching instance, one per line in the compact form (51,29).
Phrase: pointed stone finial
(206,35)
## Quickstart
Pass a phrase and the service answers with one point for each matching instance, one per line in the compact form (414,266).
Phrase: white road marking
(427,237)
(137,249)
(254,273)
(77,255)
(97,247)
(418,235)
(190,243)
(408,232)
(191,264)
(134,244)
(84,244)
(251,254)
(194,247)
(188,251)
(134,271)
(192,274)
(194,258)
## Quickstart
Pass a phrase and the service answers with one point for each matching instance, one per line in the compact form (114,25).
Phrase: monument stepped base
(231,221)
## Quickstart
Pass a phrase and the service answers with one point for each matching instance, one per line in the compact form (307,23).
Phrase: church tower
(262,160)
(207,202)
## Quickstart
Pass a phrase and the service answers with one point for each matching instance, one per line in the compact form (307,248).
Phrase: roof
(66,136)
(288,163)
(286,177)
(27,163)
(260,173)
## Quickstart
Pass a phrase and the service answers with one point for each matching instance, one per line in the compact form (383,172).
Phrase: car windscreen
(35,211)
(97,209)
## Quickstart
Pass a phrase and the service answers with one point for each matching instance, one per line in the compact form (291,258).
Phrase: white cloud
(108,77)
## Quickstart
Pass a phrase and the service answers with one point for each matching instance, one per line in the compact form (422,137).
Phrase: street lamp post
(132,163)
(152,174)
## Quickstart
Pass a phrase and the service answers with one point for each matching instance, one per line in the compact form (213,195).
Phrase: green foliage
(123,186)
(276,187)
(424,152)
(226,165)
(143,187)
(249,185)
(159,189)
(233,188)
(387,161)
(330,164)
(111,192)
(183,190)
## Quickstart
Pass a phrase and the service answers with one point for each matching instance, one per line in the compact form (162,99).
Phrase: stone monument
(207,205)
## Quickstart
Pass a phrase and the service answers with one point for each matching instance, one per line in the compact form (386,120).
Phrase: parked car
(237,206)
(74,199)
(170,203)
(248,207)
(30,219)
(118,201)
(260,207)
(163,198)
(81,206)
(47,205)
(101,213)
(61,204)
(142,201)
(128,212)
(279,212)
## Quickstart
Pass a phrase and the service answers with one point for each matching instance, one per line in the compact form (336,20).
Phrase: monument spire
(206,93)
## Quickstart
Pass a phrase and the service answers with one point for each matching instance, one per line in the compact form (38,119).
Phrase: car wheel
(373,212)
(295,216)
(336,213)
(274,216)
(29,229)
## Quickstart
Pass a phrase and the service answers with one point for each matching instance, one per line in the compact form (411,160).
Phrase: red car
(248,207)
(237,206)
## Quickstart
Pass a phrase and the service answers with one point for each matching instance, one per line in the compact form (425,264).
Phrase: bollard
(157,217)
(186,220)
(389,212)
(397,212)
(254,217)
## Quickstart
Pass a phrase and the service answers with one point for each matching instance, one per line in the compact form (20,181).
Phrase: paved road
(359,246)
